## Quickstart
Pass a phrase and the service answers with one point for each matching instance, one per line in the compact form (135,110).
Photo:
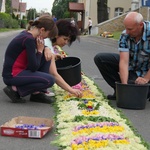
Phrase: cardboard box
(13,127)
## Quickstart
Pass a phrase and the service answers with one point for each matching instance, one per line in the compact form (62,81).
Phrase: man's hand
(141,80)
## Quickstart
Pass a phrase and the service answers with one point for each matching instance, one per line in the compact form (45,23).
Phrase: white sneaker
(49,93)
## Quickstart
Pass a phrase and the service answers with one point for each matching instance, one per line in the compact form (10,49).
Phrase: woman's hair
(66,28)
(45,22)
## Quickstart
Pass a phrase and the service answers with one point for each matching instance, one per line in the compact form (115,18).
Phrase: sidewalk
(9,33)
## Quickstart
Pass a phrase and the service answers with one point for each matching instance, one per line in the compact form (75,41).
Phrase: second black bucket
(70,69)
(131,96)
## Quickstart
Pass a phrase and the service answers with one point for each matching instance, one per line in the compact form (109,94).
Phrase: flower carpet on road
(90,123)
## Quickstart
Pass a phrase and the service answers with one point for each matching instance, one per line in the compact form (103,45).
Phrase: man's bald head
(133,17)
(134,25)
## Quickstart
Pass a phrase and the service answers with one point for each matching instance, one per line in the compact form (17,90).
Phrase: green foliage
(93,118)
(102,10)
(66,14)
(8,21)
(31,14)
(23,23)
(6,29)
(8,6)
(60,8)
(5,18)
(14,23)
(117,35)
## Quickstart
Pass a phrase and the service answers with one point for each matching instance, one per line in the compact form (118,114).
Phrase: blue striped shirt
(139,53)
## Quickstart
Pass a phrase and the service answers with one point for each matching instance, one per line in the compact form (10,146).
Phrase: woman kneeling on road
(26,68)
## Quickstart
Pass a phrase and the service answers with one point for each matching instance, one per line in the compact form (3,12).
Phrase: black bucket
(131,96)
(70,69)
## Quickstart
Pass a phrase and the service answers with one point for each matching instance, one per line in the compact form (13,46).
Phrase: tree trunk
(102,12)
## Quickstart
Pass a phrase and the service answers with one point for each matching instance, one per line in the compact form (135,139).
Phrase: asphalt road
(86,49)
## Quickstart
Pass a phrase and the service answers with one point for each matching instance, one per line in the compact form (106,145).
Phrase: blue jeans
(28,82)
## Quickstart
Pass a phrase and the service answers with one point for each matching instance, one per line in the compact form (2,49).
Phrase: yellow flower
(123,141)
(87,113)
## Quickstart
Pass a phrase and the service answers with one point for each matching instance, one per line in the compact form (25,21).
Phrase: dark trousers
(90,30)
(108,65)
(28,82)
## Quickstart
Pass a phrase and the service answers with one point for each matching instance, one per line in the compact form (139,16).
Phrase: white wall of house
(135,4)
(2,9)
(114,7)
(90,11)
(117,7)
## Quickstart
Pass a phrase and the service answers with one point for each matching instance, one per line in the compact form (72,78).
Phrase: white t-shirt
(73,22)
(48,43)
(90,22)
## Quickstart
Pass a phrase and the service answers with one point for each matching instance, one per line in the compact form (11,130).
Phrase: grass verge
(6,29)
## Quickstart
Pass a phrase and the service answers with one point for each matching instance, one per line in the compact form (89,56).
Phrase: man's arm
(123,67)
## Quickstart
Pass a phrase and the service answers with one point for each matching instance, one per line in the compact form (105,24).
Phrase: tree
(60,8)
(32,14)
(8,6)
(102,12)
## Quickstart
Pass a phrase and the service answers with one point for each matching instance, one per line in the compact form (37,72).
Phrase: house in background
(115,13)
(2,5)
(18,8)
(114,8)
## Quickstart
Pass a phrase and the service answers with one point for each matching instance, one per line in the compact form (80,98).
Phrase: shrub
(5,18)
(23,23)
(15,23)
(7,21)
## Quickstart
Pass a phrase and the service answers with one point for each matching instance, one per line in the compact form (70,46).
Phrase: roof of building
(76,7)
(23,7)
(19,5)
(15,4)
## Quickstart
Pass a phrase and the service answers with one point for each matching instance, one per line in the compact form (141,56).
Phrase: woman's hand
(59,56)
(76,92)
(48,54)
(40,44)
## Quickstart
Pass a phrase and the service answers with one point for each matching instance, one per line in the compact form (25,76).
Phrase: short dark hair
(66,28)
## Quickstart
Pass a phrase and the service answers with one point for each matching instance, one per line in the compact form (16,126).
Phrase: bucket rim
(136,85)
(70,66)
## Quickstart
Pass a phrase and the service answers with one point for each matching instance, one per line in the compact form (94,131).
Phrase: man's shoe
(112,97)
(13,95)
(41,98)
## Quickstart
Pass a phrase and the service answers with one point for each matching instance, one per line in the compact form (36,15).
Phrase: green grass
(6,29)
(117,35)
